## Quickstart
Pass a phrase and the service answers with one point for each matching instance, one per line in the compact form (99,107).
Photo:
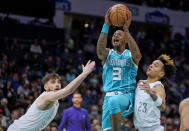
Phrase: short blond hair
(169,67)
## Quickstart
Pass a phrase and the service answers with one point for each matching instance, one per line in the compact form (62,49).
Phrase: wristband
(158,102)
(105,28)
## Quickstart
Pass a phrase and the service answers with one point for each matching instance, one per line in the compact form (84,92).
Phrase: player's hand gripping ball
(118,14)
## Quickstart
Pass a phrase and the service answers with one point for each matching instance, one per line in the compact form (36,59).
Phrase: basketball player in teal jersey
(119,74)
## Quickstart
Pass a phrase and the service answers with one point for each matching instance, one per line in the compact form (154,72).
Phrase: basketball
(118,13)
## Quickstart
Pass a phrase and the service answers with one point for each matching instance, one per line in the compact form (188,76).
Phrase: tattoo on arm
(135,51)
(102,52)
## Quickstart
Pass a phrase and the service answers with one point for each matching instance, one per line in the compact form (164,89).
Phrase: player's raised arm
(102,51)
(133,47)
(72,86)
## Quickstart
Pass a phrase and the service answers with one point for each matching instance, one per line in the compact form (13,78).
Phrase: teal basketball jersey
(119,72)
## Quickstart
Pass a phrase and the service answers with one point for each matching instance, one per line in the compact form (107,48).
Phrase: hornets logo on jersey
(119,72)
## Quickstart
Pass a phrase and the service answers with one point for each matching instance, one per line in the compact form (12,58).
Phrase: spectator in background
(15,81)
(24,89)
(10,93)
(89,49)
(35,48)
(53,128)
(15,47)
(88,98)
(15,114)
(3,105)
(3,119)
(75,118)
(94,113)
(2,128)
(169,126)
(96,125)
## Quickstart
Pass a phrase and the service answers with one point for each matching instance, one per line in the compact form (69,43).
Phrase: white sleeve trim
(132,60)
(159,83)
(107,57)
(158,102)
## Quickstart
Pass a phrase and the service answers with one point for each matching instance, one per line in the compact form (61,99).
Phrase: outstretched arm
(72,86)
(102,51)
(133,47)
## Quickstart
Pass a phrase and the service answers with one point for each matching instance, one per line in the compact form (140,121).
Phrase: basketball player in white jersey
(184,115)
(44,108)
(150,95)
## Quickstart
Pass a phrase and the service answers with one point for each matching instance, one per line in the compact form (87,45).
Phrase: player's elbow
(99,52)
(162,107)
(139,56)
(137,59)
(100,56)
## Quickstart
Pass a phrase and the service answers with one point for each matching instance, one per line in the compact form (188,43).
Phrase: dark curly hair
(169,67)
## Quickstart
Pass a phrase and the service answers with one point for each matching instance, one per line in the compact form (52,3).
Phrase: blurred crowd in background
(23,62)
(182,5)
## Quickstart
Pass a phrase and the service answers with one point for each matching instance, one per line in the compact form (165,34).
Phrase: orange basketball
(118,13)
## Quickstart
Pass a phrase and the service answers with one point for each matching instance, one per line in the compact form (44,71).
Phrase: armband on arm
(158,101)
(105,29)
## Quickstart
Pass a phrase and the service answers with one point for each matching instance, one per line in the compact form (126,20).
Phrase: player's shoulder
(42,96)
(185,102)
(159,87)
(158,84)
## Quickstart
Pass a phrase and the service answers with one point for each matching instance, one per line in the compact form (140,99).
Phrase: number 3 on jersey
(116,73)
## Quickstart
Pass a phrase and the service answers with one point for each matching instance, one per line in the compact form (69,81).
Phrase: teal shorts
(123,103)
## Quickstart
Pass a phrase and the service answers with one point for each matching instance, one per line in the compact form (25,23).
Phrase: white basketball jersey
(35,119)
(146,114)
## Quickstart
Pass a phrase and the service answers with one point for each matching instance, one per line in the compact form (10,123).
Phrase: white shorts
(152,128)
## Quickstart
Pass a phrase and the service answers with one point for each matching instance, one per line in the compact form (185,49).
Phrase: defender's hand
(88,68)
